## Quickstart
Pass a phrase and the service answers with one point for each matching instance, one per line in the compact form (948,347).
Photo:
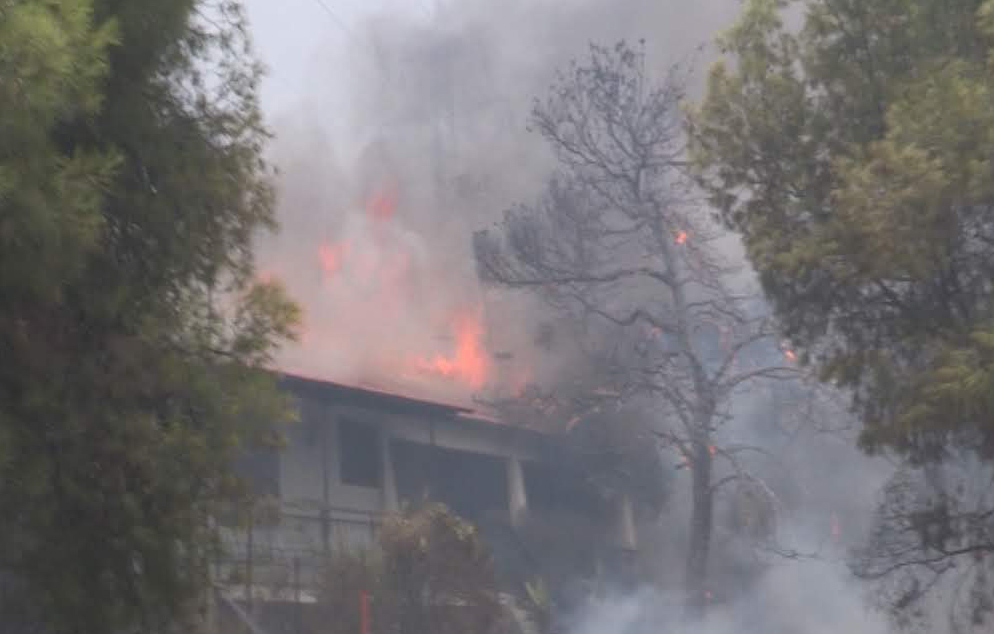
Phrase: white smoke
(810,597)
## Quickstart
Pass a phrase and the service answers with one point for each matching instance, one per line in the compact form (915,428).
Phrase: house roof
(375,398)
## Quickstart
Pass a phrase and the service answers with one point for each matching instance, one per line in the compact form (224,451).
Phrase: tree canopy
(851,146)
(132,335)
(853,155)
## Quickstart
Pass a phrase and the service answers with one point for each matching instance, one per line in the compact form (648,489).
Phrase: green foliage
(540,605)
(52,61)
(346,576)
(854,155)
(439,573)
(133,340)
(431,573)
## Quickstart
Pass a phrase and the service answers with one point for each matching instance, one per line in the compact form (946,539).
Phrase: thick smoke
(438,113)
(378,202)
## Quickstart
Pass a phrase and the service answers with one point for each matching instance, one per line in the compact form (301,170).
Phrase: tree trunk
(698,594)
(249,556)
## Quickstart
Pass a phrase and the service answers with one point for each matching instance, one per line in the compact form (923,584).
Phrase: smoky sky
(427,105)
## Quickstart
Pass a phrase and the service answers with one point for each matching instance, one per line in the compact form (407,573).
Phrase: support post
(518,497)
(249,560)
(626,523)
(297,607)
(389,481)
(364,612)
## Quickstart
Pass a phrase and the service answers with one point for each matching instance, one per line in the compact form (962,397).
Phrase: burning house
(359,453)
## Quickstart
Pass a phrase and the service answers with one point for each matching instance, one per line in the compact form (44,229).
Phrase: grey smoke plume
(436,118)
(438,106)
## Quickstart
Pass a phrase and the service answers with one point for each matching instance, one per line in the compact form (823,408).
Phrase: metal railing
(285,560)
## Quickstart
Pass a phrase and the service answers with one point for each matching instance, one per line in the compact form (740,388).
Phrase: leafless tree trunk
(700,534)
(618,241)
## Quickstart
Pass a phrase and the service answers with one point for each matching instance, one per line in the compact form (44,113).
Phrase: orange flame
(681,237)
(383,204)
(469,363)
(787,351)
(376,267)
(333,257)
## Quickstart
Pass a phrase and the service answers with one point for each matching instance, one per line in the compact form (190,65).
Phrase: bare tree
(931,545)
(618,244)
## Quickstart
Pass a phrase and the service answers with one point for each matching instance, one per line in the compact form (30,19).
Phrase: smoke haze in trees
(411,134)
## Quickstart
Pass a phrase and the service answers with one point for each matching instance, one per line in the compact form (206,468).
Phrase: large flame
(390,312)
(469,363)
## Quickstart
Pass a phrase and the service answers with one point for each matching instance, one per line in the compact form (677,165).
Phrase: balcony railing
(285,558)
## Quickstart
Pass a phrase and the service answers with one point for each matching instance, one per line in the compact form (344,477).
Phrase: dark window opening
(359,454)
(558,489)
(470,484)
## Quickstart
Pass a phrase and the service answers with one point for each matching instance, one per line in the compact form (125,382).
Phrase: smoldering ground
(810,599)
(413,136)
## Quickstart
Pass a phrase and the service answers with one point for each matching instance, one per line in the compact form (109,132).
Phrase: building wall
(310,469)
(319,513)
(310,464)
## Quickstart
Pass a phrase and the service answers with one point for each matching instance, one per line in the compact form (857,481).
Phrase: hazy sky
(300,40)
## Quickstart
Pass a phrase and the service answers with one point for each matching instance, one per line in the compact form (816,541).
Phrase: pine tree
(132,336)
(854,156)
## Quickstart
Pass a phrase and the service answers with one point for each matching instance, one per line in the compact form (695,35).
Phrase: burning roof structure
(394,402)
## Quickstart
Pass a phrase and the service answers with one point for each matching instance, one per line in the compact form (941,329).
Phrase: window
(358,454)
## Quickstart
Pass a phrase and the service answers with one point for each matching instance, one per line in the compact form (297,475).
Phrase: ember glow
(788,352)
(681,237)
(383,204)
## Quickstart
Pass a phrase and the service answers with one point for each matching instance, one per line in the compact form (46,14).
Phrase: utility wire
(334,17)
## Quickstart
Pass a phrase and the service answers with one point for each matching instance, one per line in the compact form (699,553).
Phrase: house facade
(357,454)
